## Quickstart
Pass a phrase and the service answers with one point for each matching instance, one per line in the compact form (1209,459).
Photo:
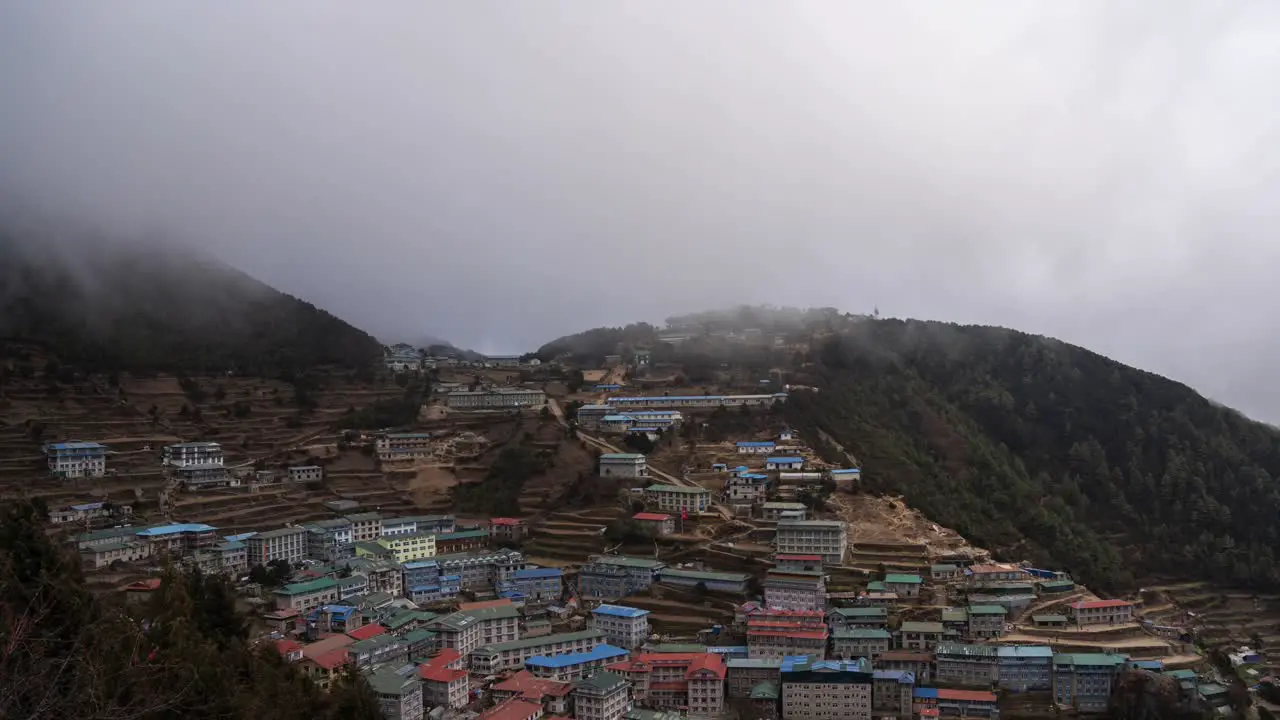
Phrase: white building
(755,448)
(402,446)
(705,401)
(399,694)
(192,453)
(497,398)
(629,465)
(306,473)
(813,537)
(288,544)
(624,627)
(678,498)
(200,477)
(603,696)
(365,526)
(77,459)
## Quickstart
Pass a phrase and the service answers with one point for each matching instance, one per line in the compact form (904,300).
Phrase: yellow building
(410,547)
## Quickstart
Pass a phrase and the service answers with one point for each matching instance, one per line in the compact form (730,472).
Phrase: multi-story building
(623,465)
(498,623)
(500,657)
(383,576)
(203,477)
(949,702)
(1101,612)
(945,572)
(755,448)
(857,617)
(891,692)
(575,666)
(365,526)
(905,585)
(192,453)
(813,537)
(656,524)
(656,419)
(729,582)
(959,664)
(589,416)
(306,473)
(860,643)
(827,690)
(444,686)
(1084,681)
(76,459)
(329,540)
(746,488)
(180,538)
(784,463)
(624,627)
(704,401)
(460,631)
(780,633)
(420,574)
(795,589)
(676,680)
(534,585)
(377,650)
(919,664)
(93,513)
(986,621)
(615,576)
(306,596)
(553,696)
(233,557)
(993,572)
(497,398)
(409,547)
(402,446)
(480,570)
(507,531)
(677,498)
(778,511)
(743,674)
(920,635)
(460,541)
(124,549)
(288,544)
(1025,668)
(603,696)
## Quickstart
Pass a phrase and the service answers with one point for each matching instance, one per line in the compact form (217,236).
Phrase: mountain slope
(1051,452)
(103,304)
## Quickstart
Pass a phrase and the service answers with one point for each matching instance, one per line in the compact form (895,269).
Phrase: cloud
(502,173)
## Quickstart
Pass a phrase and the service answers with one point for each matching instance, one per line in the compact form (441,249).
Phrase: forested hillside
(1052,453)
(102,304)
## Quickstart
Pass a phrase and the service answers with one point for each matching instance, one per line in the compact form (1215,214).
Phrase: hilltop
(103,304)
(1034,448)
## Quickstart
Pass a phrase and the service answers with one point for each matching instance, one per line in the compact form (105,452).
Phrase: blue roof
(653,412)
(342,611)
(901,676)
(845,471)
(616,418)
(643,429)
(642,398)
(784,460)
(741,467)
(420,564)
(923,692)
(620,611)
(241,536)
(76,446)
(178,528)
(608,386)
(88,506)
(754,476)
(790,661)
(727,649)
(769,443)
(532,573)
(1024,651)
(599,652)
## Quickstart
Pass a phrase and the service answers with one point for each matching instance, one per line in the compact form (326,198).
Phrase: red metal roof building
(444,684)
(366,632)
(513,709)
(553,695)
(1102,612)
(692,681)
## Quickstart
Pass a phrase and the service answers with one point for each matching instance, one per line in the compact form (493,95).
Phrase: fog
(500,173)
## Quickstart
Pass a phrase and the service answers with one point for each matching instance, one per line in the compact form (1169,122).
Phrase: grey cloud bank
(502,173)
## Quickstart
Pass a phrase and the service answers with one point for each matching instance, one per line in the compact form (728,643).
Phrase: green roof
(677,489)
(764,691)
(629,561)
(1048,618)
(858,612)
(419,635)
(701,575)
(460,535)
(987,610)
(955,615)
(541,640)
(372,643)
(387,681)
(677,648)
(364,517)
(497,612)
(303,588)
(1182,674)
(875,586)
(861,634)
(400,619)
(1088,659)
(922,627)
(602,681)
(902,579)
(943,568)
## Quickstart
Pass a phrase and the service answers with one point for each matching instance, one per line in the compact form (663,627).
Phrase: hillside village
(544,540)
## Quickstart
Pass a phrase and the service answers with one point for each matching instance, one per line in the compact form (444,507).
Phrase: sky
(502,173)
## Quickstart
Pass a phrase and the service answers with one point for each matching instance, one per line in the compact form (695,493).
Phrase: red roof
(440,673)
(331,659)
(444,658)
(525,685)
(929,712)
(505,521)
(808,558)
(1100,604)
(513,709)
(326,644)
(655,517)
(970,695)
(709,661)
(147,585)
(366,632)
(286,646)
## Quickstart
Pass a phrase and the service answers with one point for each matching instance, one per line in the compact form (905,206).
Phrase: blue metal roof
(617,418)
(599,652)
(76,446)
(240,537)
(768,443)
(789,460)
(420,564)
(177,528)
(846,471)
(620,611)
(653,412)
(1024,651)
(901,676)
(926,693)
(534,573)
(88,506)
(642,429)
(754,476)
(643,398)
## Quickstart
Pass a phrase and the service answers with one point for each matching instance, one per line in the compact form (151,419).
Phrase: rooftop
(537,573)
(767,443)
(785,460)
(987,610)
(1025,651)
(652,517)
(541,640)
(307,587)
(700,575)
(620,611)
(812,524)
(599,652)
(861,634)
(678,489)
(1088,659)
(1095,604)
(629,561)
(621,456)
(176,528)
(602,682)
(902,579)
(861,612)
(922,627)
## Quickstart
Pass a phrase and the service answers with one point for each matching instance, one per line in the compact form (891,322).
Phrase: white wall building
(678,498)
(306,473)
(813,537)
(77,459)
(624,627)
(497,398)
(629,465)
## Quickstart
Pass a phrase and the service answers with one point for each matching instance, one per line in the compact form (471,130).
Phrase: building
(499,622)
(891,692)
(327,619)
(1025,668)
(306,473)
(671,681)
(506,531)
(729,582)
(1101,612)
(858,617)
(603,696)
(192,453)
(774,511)
(845,478)
(678,498)
(920,635)
(289,544)
(746,488)
(624,627)
(827,690)
(946,702)
(233,557)
(459,631)
(784,463)
(534,585)
(744,674)
(480,570)
(813,537)
(399,692)
(496,399)
(986,621)
(95,512)
(972,665)
(551,695)
(660,419)
(755,448)
(76,459)
(460,541)
(589,416)
(1083,681)
(203,477)
(125,549)
(410,547)
(365,526)
(994,572)
(611,577)
(329,540)
(919,664)
(775,633)
(860,643)
(656,524)
(512,655)
(795,589)
(624,465)
(944,572)
(700,401)
(444,685)
(904,584)
(402,446)
(575,666)
(514,708)
(180,538)
(306,596)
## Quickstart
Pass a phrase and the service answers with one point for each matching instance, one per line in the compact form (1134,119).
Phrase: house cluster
(495,398)
(406,358)
(189,465)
